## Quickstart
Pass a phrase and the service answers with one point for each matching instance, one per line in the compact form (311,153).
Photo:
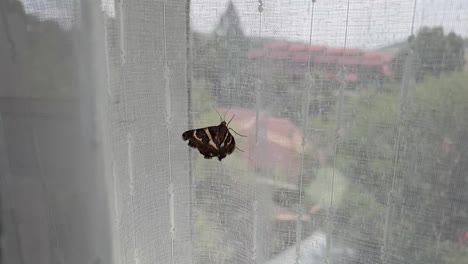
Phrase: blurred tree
(229,25)
(220,58)
(221,211)
(426,174)
(435,52)
(454,53)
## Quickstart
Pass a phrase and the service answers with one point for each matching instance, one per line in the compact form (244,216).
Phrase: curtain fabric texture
(350,123)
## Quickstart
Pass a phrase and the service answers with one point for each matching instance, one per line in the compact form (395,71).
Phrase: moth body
(213,141)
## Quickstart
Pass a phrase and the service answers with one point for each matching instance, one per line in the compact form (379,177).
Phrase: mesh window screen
(349,118)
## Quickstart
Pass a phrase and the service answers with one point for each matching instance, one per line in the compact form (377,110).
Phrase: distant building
(294,58)
(279,154)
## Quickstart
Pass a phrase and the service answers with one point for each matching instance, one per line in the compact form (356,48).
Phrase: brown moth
(213,141)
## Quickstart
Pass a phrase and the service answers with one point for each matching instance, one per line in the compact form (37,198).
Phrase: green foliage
(200,97)
(436,53)
(217,66)
(446,252)
(361,219)
(220,59)
(209,240)
(217,202)
(370,137)
(221,210)
(417,146)
(419,149)
(441,102)
(318,193)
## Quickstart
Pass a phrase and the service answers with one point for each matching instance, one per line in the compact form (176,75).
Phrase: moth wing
(230,143)
(227,146)
(202,140)
(217,133)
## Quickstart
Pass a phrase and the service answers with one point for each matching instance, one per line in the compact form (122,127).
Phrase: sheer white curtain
(352,117)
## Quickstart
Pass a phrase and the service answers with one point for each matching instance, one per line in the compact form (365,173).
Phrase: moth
(213,141)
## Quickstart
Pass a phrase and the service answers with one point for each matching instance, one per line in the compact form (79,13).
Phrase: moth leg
(221,156)
(237,133)
(206,155)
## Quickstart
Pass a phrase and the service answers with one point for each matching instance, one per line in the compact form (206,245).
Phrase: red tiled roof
(343,51)
(317,48)
(278,45)
(298,47)
(334,51)
(386,58)
(387,72)
(283,214)
(278,54)
(306,48)
(281,140)
(374,55)
(321,55)
(352,52)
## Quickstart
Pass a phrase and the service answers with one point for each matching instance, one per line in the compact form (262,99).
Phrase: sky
(368,24)
(371,23)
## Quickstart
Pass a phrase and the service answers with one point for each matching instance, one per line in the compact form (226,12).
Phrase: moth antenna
(239,149)
(237,133)
(226,113)
(231,119)
(220,118)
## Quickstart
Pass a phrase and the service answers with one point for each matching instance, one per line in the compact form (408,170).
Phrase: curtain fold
(349,121)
